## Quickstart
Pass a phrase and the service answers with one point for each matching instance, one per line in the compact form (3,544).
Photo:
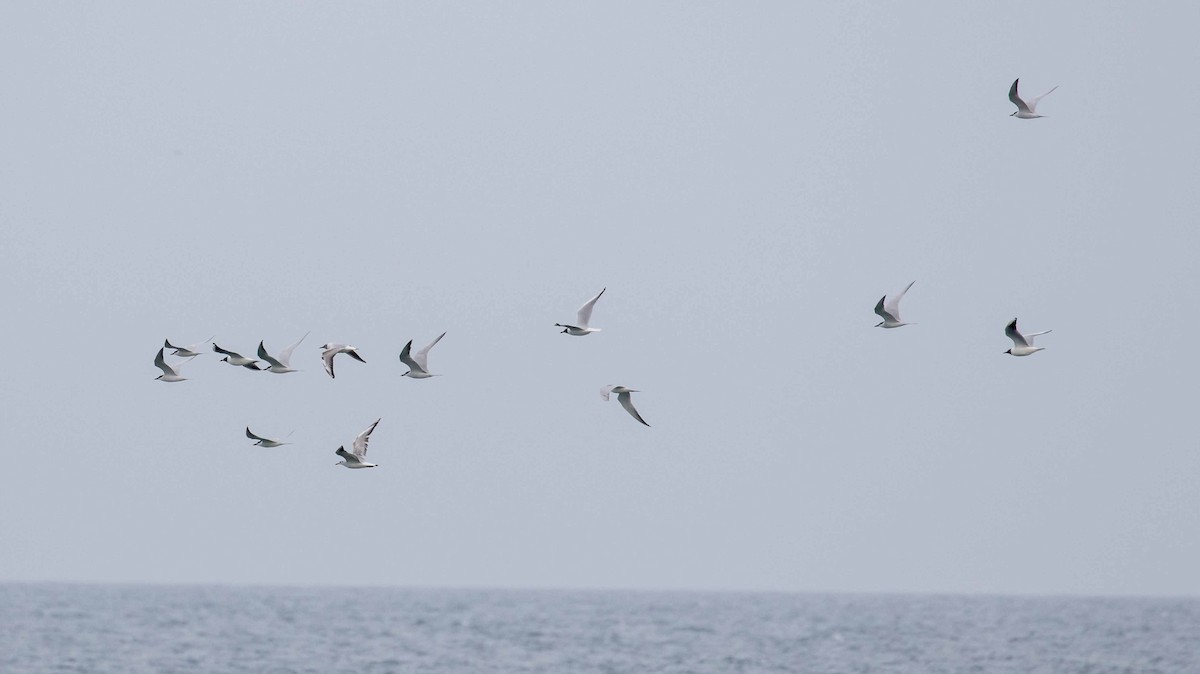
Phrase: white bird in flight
(186,351)
(331,350)
(236,359)
(418,363)
(1025,110)
(280,364)
(1022,344)
(582,318)
(624,398)
(889,310)
(354,458)
(170,373)
(264,442)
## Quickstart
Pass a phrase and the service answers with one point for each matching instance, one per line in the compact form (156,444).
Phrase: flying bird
(624,398)
(331,350)
(1022,344)
(354,458)
(418,363)
(264,442)
(170,373)
(889,310)
(582,318)
(236,359)
(1025,110)
(186,351)
(279,365)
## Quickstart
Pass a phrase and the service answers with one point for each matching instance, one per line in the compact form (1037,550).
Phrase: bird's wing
(285,356)
(585,312)
(1014,334)
(407,359)
(353,353)
(1030,336)
(162,364)
(883,313)
(253,436)
(422,356)
(262,353)
(167,344)
(892,305)
(1034,102)
(341,451)
(1016,99)
(194,348)
(360,443)
(327,356)
(227,352)
(626,401)
(605,391)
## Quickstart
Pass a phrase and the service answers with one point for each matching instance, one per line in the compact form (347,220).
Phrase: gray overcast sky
(746,179)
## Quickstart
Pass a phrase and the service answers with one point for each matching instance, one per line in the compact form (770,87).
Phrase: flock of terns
(417,362)
(888,308)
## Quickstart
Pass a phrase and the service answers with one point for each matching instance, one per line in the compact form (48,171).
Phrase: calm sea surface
(128,629)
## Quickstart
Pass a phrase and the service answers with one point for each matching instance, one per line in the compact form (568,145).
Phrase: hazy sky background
(747,179)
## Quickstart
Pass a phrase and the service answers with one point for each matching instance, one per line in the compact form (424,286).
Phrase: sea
(126,629)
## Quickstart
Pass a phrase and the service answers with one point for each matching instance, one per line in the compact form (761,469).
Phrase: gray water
(193,630)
